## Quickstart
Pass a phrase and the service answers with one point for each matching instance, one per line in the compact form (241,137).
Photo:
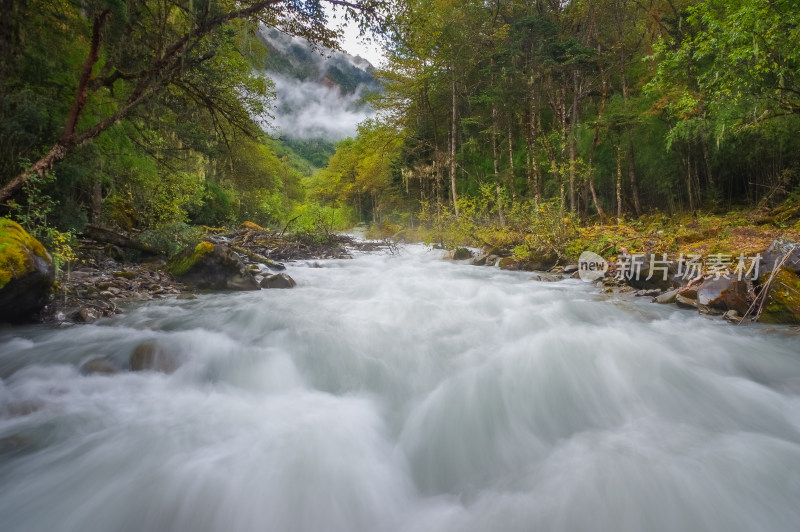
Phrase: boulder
(480,261)
(462,254)
(546,277)
(653,292)
(571,268)
(279,280)
(716,296)
(88,315)
(783,300)
(509,263)
(539,262)
(687,297)
(776,251)
(685,302)
(149,356)
(212,266)
(667,297)
(732,316)
(27,273)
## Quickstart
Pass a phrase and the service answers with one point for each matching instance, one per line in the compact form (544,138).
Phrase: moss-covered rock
(26,273)
(211,266)
(783,299)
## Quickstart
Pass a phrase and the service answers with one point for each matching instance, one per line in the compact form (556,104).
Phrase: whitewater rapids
(404,393)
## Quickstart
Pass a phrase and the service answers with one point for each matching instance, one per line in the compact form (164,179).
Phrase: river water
(398,393)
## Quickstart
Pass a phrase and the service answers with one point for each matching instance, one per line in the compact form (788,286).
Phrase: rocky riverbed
(100,284)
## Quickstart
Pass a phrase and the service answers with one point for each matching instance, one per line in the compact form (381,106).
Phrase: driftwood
(110,236)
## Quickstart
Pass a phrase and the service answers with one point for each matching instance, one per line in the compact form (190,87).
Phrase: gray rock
(648,293)
(480,261)
(732,316)
(279,280)
(776,251)
(571,268)
(546,277)
(685,302)
(667,297)
(88,315)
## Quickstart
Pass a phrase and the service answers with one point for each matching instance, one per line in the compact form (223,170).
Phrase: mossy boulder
(27,273)
(783,299)
(212,266)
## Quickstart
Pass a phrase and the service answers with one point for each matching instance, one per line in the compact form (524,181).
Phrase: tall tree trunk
(689,191)
(572,140)
(632,176)
(707,159)
(495,160)
(535,169)
(595,142)
(453,134)
(619,183)
(512,177)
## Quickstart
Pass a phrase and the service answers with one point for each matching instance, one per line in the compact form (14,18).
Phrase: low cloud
(311,110)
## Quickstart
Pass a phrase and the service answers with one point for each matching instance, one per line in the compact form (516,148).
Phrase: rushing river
(398,393)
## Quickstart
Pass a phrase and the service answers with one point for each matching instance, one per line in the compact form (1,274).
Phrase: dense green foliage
(507,111)
(147,116)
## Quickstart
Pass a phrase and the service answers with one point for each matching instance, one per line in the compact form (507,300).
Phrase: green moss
(250,226)
(184,262)
(16,246)
(784,299)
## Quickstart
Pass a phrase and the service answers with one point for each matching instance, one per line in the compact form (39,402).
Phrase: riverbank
(744,266)
(100,282)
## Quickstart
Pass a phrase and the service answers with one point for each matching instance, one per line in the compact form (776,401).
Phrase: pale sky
(353,45)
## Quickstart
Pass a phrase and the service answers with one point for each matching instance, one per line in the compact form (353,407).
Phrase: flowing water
(404,392)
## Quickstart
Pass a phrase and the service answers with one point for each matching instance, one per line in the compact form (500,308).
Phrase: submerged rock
(546,277)
(99,366)
(27,273)
(212,266)
(279,280)
(151,356)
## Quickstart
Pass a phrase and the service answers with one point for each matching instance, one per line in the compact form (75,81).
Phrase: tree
(138,49)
